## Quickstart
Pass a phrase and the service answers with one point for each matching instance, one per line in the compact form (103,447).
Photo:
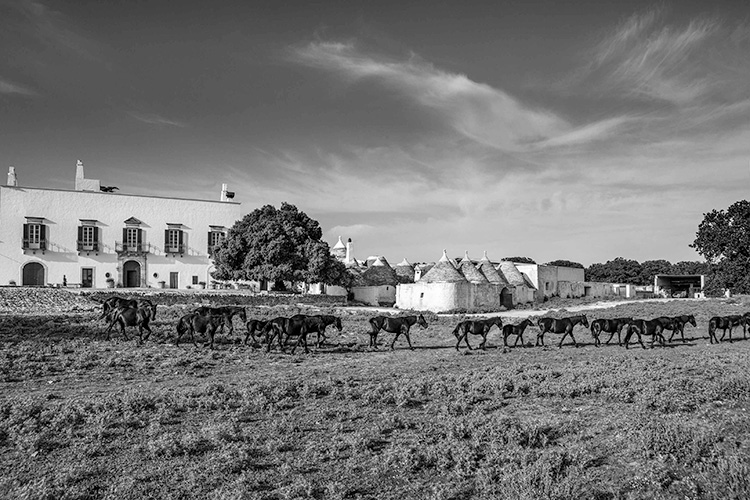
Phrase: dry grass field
(81,417)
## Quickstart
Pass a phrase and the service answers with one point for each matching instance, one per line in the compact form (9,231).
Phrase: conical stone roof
(443,272)
(404,272)
(470,271)
(339,250)
(490,272)
(380,273)
(511,273)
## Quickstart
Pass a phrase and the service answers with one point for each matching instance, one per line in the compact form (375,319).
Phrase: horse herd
(208,320)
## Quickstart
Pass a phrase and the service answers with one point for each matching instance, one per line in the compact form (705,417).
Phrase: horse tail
(455,330)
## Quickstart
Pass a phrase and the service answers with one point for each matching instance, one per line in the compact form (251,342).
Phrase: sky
(583,130)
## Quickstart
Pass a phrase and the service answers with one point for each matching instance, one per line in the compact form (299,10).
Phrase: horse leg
(612,335)
(484,340)
(321,337)
(575,344)
(466,339)
(374,340)
(539,338)
(398,333)
(408,338)
(122,330)
(559,346)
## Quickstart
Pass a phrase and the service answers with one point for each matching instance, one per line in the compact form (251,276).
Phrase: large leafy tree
(278,245)
(650,268)
(619,270)
(565,263)
(520,260)
(723,239)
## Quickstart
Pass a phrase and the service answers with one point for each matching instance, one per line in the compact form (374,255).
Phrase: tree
(650,268)
(619,270)
(520,260)
(723,239)
(565,263)
(278,245)
(690,267)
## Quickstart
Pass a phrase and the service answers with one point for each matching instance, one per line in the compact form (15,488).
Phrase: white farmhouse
(89,238)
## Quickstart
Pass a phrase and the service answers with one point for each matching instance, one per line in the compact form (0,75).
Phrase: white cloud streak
(7,87)
(477,111)
(154,119)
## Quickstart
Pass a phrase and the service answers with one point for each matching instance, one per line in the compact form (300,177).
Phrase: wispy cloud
(648,57)
(8,87)
(477,111)
(154,119)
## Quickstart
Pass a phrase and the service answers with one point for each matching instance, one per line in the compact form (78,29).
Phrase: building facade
(89,238)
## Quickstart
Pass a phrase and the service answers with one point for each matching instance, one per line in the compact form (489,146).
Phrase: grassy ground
(81,417)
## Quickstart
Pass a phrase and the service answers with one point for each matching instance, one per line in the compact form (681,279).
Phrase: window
(34,236)
(173,240)
(88,238)
(195,280)
(215,237)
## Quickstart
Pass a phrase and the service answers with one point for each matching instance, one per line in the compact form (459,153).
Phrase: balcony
(174,249)
(34,245)
(131,249)
(87,246)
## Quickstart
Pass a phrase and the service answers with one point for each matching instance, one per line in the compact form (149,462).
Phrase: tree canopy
(723,239)
(278,245)
(621,270)
(520,260)
(565,263)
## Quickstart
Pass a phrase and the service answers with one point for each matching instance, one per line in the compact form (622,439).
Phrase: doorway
(132,271)
(33,274)
(174,280)
(87,277)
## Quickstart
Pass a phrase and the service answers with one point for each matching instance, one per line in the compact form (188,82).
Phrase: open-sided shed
(679,285)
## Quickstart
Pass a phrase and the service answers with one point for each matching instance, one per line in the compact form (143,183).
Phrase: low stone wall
(17,299)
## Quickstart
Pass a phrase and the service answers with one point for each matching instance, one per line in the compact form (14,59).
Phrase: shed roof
(443,272)
(490,272)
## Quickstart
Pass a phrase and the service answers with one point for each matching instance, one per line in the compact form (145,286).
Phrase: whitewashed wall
(62,211)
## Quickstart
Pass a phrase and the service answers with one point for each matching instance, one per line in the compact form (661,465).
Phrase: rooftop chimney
(82,183)
(226,195)
(349,255)
(12,180)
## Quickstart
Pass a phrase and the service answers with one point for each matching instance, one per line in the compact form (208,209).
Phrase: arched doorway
(506,298)
(33,274)
(131,273)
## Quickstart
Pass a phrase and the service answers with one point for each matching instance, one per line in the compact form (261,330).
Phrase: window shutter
(80,238)
(96,238)
(25,243)
(166,240)
(42,236)
(210,248)
(181,234)
(140,236)
(124,237)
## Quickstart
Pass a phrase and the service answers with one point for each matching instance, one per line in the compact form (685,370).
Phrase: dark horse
(726,323)
(398,325)
(676,324)
(132,316)
(194,322)
(226,313)
(650,327)
(516,330)
(254,325)
(299,326)
(564,326)
(112,303)
(475,327)
(611,326)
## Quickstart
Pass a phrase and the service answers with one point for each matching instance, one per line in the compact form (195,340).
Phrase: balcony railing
(88,246)
(34,245)
(174,249)
(137,248)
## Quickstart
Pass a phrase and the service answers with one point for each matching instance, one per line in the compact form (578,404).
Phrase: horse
(194,322)
(475,327)
(676,324)
(726,323)
(398,325)
(611,326)
(254,325)
(227,313)
(652,327)
(516,330)
(112,303)
(318,324)
(564,325)
(131,316)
